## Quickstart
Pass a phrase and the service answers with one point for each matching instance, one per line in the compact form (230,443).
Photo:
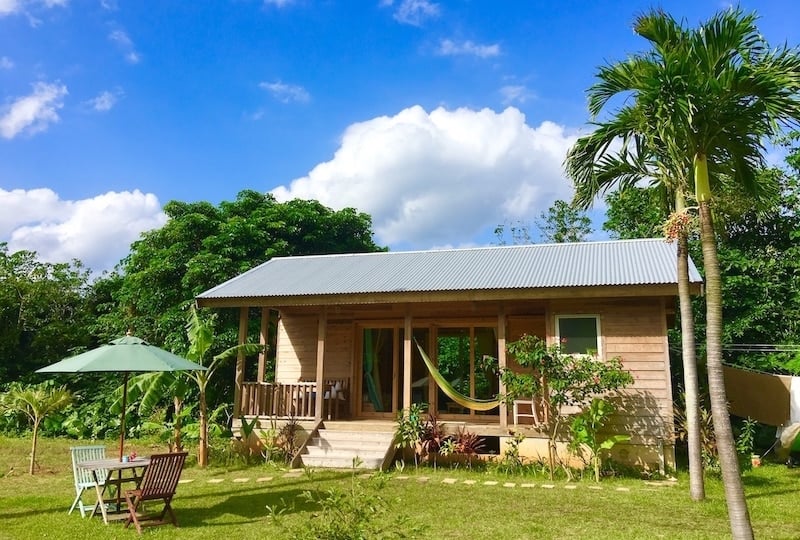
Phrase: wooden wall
(633,329)
(297,349)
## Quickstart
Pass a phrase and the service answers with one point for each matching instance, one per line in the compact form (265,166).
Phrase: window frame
(598,328)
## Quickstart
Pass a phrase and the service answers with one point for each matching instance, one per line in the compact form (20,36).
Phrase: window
(578,334)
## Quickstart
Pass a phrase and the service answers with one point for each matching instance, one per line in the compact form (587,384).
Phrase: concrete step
(339,462)
(338,448)
(344,452)
(360,436)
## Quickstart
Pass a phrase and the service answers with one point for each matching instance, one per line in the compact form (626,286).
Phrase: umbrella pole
(122,420)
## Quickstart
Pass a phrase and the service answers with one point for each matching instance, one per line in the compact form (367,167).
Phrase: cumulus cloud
(126,45)
(449,47)
(6,63)
(97,231)
(104,101)
(413,12)
(444,177)
(286,93)
(32,113)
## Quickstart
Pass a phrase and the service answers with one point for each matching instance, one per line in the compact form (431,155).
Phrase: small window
(579,335)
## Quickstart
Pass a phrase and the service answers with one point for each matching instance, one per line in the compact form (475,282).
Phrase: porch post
(323,324)
(407,363)
(501,362)
(262,339)
(240,359)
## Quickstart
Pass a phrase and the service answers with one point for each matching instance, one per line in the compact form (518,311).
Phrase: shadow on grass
(251,504)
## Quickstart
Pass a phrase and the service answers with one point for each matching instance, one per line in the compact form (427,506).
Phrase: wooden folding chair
(159,483)
(83,477)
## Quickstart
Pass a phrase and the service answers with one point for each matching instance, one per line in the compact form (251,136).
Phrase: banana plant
(201,340)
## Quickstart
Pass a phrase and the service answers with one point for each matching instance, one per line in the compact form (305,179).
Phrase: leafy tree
(35,402)
(563,223)
(635,213)
(43,312)
(559,380)
(722,91)
(203,245)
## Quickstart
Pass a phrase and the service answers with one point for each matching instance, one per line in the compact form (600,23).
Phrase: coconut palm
(35,402)
(721,92)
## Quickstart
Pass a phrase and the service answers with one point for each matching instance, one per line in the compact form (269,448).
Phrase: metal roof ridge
(465,249)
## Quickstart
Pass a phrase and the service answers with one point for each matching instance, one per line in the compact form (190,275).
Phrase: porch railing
(278,400)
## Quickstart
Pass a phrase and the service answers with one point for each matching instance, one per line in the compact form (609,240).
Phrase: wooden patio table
(125,471)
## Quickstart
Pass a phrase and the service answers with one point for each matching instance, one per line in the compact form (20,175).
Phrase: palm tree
(595,167)
(722,91)
(35,402)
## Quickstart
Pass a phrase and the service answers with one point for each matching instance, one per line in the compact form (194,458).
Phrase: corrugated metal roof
(585,264)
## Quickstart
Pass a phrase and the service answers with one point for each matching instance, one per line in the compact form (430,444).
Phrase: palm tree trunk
(33,446)
(734,490)
(690,382)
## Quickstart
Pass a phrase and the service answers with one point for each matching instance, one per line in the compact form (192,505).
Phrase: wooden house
(346,325)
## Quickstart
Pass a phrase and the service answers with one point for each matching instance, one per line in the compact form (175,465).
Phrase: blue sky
(439,118)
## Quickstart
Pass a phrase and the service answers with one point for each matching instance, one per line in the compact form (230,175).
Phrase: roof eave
(542,293)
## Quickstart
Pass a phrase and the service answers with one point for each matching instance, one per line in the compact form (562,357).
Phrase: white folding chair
(83,477)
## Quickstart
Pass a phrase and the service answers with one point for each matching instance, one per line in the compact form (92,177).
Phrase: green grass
(36,507)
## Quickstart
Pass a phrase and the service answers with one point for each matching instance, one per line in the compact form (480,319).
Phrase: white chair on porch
(83,477)
(530,405)
(336,396)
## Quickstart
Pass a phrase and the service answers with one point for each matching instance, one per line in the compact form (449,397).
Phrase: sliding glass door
(465,356)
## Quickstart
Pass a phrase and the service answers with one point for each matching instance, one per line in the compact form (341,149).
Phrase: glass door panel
(453,362)
(485,368)
(420,378)
(377,367)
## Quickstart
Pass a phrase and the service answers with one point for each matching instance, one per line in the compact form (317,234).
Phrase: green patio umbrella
(126,354)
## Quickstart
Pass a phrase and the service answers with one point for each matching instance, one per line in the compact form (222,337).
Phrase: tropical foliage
(559,381)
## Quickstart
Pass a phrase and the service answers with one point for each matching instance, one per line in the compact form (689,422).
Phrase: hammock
(465,401)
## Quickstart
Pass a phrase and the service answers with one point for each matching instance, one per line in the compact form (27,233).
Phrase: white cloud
(444,177)
(6,63)
(125,43)
(32,113)
(11,7)
(104,101)
(286,93)
(97,231)
(449,47)
(414,12)
(515,93)
(109,5)
(278,3)
(8,7)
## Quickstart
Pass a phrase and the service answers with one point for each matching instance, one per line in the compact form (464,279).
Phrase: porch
(297,400)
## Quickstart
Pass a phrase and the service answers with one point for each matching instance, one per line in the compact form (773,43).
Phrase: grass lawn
(443,504)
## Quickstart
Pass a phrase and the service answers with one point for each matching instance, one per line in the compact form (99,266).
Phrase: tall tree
(645,153)
(724,91)
(562,223)
(203,245)
(43,312)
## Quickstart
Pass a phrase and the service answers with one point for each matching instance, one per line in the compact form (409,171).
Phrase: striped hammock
(465,401)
